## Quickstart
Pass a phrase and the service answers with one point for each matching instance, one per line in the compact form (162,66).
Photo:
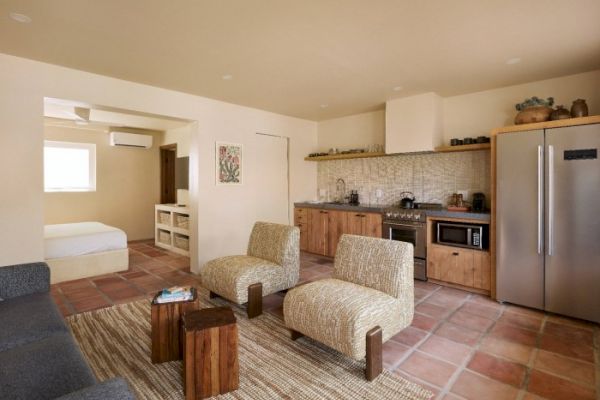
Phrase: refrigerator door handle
(550,199)
(540,199)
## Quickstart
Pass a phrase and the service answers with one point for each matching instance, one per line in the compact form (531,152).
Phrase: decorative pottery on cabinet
(534,110)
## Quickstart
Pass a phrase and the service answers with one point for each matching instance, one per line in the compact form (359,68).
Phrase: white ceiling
(291,57)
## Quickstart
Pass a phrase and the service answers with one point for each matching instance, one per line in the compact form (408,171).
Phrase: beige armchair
(368,300)
(272,264)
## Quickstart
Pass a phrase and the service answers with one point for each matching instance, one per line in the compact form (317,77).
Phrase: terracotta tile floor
(460,345)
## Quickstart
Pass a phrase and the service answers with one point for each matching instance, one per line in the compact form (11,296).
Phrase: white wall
(475,114)
(127,184)
(354,131)
(224,214)
(469,115)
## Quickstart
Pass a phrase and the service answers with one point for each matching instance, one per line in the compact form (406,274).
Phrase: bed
(84,249)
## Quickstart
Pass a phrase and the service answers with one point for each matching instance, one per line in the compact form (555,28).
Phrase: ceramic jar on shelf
(579,109)
(560,113)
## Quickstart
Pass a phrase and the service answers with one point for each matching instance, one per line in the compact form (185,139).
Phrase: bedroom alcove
(102,182)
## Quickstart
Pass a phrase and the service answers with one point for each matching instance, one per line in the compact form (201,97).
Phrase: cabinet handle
(357,215)
(325,212)
(454,253)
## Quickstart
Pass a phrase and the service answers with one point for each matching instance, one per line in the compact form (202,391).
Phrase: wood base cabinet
(364,224)
(465,267)
(320,229)
(338,225)
(301,221)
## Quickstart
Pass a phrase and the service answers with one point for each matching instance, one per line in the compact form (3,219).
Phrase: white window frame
(91,148)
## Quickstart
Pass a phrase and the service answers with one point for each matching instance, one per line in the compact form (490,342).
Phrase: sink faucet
(340,189)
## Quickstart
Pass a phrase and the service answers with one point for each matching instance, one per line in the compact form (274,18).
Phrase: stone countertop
(343,207)
(377,208)
(482,216)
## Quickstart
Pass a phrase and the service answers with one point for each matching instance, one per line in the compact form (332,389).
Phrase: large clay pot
(533,114)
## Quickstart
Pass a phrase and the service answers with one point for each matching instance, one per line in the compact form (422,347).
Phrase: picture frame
(228,163)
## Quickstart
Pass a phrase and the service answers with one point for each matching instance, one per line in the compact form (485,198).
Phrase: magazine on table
(175,293)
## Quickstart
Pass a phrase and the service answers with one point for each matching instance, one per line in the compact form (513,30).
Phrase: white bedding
(69,240)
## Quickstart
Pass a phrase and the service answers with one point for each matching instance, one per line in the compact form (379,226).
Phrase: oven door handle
(414,227)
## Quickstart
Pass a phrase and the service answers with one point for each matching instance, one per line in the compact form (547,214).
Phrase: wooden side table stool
(166,324)
(210,353)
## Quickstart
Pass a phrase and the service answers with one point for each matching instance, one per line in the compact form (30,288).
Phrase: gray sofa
(39,358)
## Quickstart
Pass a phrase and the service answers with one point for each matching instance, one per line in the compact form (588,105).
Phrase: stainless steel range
(409,225)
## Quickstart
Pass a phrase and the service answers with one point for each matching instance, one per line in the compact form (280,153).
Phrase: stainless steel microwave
(471,236)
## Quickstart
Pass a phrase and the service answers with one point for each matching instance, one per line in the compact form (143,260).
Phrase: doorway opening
(109,170)
(168,157)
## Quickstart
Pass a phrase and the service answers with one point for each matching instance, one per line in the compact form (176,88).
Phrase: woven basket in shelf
(182,221)
(182,242)
(164,237)
(164,218)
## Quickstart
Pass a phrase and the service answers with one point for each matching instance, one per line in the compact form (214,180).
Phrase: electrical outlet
(379,193)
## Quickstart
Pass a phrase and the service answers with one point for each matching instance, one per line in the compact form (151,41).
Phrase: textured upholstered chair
(272,264)
(368,300)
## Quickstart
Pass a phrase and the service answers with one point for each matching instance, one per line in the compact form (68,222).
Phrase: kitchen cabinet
(465,267)
(321,229)
(364,224)
(318,231)
(301,221)
(337,226)
(470,269)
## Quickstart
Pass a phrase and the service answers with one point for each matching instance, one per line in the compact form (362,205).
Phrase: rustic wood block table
(166,327)
(210,353)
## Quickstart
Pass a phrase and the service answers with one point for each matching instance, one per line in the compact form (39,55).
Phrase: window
(69,167)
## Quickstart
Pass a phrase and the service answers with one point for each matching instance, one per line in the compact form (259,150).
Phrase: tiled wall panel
(431,177)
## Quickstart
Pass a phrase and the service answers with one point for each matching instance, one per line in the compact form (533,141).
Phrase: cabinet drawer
(300,215)
(464,267)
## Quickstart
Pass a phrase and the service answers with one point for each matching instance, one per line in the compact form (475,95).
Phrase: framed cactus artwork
(229,163)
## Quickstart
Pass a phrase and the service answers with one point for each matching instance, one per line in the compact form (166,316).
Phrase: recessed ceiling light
(324,105)
(513,61)
(22,18)
(227,77)
(397,88)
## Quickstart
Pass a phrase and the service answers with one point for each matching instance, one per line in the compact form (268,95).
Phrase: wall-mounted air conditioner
(130,139)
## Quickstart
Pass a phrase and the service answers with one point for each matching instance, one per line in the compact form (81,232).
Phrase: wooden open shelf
(344,156)
(464,147)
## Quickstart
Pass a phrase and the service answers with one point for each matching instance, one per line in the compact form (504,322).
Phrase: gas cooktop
(417,214)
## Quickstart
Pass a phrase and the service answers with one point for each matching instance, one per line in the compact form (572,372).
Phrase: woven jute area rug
(116,342)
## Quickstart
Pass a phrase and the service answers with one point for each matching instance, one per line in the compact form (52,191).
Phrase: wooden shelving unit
(442,149)
(464,147)
(344,156)
(172,228)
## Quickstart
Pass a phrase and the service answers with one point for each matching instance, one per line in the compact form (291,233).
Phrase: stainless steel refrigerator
(548,220)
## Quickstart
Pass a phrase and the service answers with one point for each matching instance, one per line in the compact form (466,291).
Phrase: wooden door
(356,223)
(463,272)
(481,270)
(437,257)
(450,264)
(318,231)
(301,221)
(168,154)
(337,225)
(373,223)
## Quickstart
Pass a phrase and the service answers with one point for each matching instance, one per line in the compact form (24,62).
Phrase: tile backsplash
(432,177)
